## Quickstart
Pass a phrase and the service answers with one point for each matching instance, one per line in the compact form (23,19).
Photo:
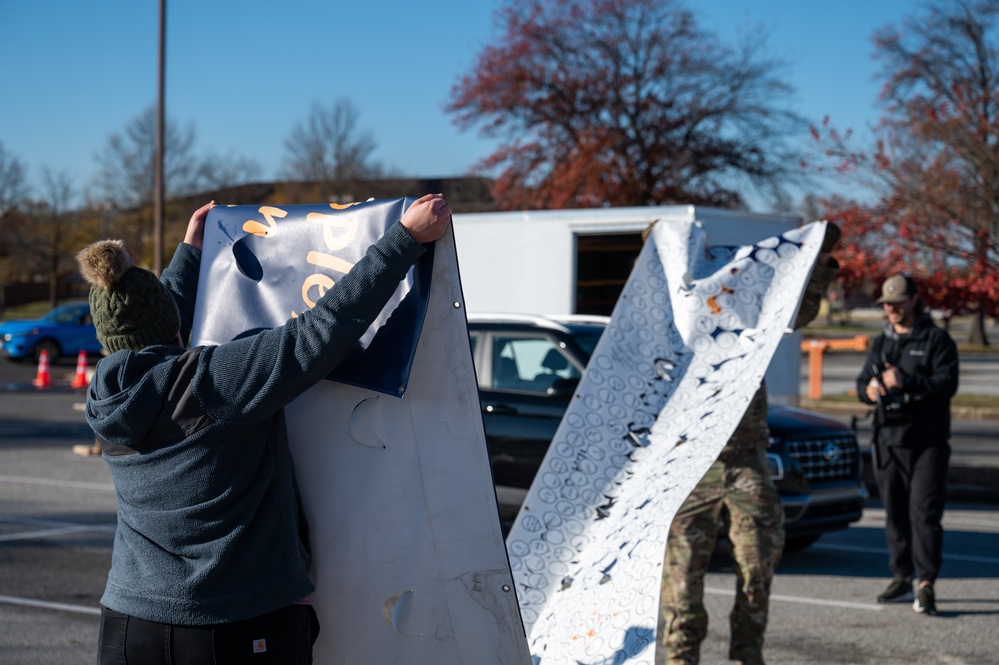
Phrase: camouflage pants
(741,485)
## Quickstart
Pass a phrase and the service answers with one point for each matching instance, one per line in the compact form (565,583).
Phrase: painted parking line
(36,521)
(47,533)
(953,519)
(883,551)
(803,600)
(46,605)
(57,483)
(52,528)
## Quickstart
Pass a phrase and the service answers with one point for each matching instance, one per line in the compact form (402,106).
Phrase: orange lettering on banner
(324,260)
(318,280)
(338,232)
(258,229)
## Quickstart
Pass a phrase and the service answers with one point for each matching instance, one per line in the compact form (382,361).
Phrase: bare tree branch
(329,148)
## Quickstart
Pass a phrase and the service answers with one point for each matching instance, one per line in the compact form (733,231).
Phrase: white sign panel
(408,557)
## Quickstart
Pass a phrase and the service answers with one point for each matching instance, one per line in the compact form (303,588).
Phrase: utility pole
(158,196)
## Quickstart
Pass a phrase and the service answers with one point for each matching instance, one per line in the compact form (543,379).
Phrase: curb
(957,491)
(972,493)
(967,484)
(862,410)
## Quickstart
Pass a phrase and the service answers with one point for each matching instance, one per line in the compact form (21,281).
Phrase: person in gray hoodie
(211,553)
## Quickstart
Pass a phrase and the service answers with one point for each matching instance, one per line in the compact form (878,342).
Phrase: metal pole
(158,203)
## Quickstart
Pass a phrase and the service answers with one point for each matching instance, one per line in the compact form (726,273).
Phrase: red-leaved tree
(625,102)
(935,164)
(875,245)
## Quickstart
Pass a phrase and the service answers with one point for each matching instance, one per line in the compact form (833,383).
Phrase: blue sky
(243,73)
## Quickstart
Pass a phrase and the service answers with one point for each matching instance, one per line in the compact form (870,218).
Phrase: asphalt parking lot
(57,515)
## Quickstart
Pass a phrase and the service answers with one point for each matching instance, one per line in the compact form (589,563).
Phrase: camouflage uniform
(739,481)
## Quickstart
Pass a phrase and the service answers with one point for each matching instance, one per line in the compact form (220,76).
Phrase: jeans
(282,637)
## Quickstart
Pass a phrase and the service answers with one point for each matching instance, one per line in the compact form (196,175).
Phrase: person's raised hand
(195,235)
(427,218)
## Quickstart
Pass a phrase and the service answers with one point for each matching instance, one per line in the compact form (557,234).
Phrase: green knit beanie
(130,306)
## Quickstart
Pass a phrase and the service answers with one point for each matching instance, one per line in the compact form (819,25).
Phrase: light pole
(158,195)
(3,276)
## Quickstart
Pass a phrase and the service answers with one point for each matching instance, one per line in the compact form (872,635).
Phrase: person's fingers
(202,212)
(425,198)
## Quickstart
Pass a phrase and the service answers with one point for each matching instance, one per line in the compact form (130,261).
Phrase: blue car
(63,332)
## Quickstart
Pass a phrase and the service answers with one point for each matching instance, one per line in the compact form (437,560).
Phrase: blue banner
(262,265)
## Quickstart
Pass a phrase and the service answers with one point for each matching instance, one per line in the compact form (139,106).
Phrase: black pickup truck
(528,367)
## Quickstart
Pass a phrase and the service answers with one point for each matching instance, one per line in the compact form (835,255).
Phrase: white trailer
(576,262)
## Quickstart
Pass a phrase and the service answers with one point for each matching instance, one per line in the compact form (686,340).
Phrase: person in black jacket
(910,374)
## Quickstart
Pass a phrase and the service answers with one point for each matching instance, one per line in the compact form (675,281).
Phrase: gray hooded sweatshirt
(209,522)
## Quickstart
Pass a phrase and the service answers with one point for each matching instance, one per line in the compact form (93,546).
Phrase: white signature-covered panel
(687,347)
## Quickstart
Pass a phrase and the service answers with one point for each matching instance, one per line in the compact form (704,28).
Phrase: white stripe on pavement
(808,601)
(28,535)
(57,483)
(952,519)
(46,605)
(881,550)
(55,528)
(55,524)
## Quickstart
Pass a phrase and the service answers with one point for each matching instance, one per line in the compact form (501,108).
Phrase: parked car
(64,331)
(528,367)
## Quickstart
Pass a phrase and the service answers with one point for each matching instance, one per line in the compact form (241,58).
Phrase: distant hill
(465,194)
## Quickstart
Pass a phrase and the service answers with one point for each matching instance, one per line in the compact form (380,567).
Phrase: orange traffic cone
(43,379)
(80,380)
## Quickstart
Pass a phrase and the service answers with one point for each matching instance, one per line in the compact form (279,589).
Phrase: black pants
(913,484)
(282,637)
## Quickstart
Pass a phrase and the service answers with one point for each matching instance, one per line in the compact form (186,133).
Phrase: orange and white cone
(80,380)
(43,379)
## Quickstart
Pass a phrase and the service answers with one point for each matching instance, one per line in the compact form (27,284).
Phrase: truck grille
(829,459)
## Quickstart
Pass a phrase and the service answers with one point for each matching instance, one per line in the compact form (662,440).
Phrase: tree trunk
(53,289)
(977,335)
